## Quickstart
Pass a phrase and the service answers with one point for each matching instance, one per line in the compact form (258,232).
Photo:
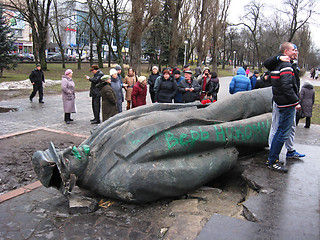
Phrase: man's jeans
(286,119)
(289,144)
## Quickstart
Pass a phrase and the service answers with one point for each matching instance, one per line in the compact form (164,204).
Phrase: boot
(128,105)
(67,118)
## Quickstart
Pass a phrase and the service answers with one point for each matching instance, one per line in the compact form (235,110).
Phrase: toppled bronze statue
(160,150)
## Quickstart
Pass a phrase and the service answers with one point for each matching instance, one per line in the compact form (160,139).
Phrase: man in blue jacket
(240,82)
(178,78)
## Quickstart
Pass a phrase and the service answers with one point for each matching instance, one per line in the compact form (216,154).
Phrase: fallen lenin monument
(160,150)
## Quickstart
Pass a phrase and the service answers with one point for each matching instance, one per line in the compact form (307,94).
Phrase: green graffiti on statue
(186,140)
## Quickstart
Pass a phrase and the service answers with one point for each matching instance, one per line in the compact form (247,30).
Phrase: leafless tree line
(203,23)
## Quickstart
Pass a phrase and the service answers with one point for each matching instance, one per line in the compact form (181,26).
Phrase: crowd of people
(171,86)
(175,86)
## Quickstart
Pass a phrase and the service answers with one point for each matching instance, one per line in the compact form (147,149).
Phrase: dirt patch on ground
(15,156)
(175,218)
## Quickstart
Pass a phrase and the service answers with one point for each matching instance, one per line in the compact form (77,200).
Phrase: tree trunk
(42,42)
(99,50)
(136,53)
(214,56)
(42,56)
(136,34)
(175,43)
(176,38)
(200,48)
(109,55)
(62,56)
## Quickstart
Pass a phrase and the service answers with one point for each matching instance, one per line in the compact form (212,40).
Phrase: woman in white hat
(139,92)
(116,85)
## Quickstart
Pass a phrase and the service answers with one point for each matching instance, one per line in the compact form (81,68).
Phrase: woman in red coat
(139,92)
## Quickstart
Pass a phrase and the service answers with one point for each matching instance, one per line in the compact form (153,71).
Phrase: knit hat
(177,72)
(113,71)
(188,71)
(214,75)
(68,71)
(94,67)
(105,77)
(155,67)
(166,71)
(186,66)
(206,68)
(141,79)
(118,67)
(307,82)
(38,65)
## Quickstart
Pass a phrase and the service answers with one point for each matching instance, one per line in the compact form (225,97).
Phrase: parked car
(49,54)
(27,57)
(58,58)
(71,58)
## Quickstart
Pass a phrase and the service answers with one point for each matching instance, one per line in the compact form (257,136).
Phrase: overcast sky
(237,10)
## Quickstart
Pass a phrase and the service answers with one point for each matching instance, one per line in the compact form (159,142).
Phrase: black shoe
(278,167)
(95,122)
(30,99)
(92,120)
(276,161)
(41,101)
(71,120)
(68,122)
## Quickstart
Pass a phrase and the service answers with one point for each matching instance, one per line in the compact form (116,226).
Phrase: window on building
(18,33)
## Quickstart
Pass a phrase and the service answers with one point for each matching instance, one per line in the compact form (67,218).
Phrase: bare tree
(252,21)
(36,13)
(176,36)
(303,40)
(56,26)
(299,13)
(202,27)
(218,20)
(143,13)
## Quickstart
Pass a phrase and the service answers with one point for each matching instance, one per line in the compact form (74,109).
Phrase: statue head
(56,168)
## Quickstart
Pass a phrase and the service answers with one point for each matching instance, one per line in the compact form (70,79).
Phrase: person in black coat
(166,88)
(151,81)
(307,97)
(212,86)
(264,81)
(109,99)
(189,88)
(37,78)
(95,93)
(286,100)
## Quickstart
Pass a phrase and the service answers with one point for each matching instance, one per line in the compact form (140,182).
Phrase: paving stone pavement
(43,213)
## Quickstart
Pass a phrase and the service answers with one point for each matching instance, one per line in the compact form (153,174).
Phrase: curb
(19,191)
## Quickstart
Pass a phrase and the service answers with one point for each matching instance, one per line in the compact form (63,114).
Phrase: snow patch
(25,84)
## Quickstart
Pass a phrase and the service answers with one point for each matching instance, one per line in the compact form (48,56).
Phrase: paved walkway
(287,206)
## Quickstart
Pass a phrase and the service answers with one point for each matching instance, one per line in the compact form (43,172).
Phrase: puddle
(5,109)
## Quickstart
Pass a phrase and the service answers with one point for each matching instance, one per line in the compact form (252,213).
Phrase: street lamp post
(185,52)
(234,60)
